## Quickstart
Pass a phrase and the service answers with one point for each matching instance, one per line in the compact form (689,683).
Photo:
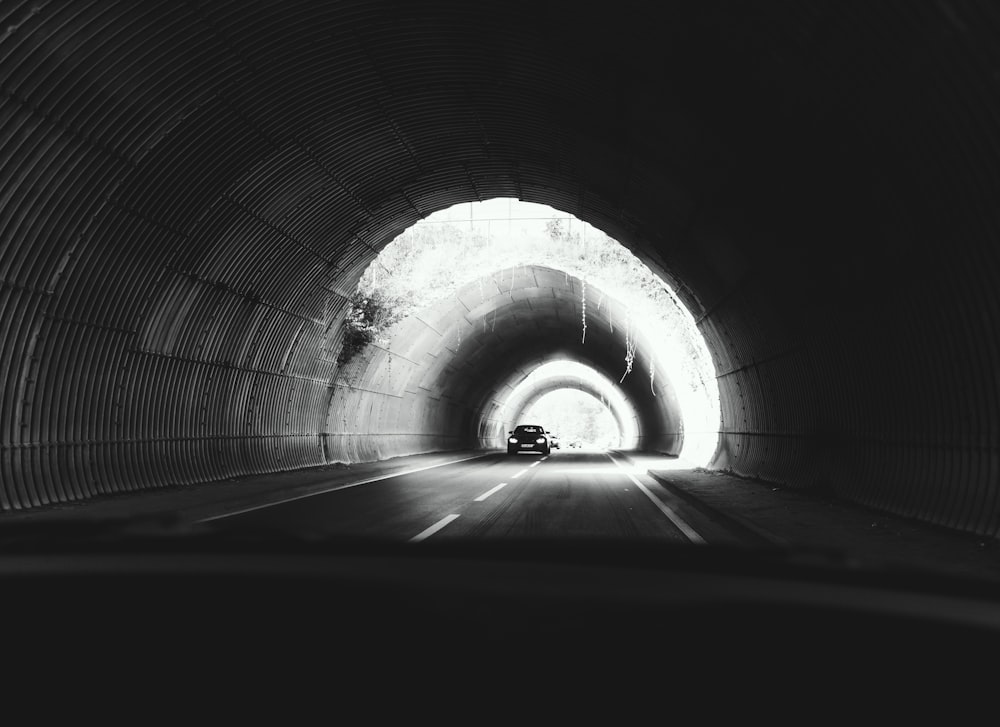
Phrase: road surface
(568,494)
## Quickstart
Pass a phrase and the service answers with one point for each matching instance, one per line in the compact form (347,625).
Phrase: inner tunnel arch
(526,385)
(585,428)
(601,389)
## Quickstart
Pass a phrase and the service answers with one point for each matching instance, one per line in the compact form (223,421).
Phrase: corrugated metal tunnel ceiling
(190,191)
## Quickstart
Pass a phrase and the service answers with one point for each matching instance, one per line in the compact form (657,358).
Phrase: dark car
(528,438)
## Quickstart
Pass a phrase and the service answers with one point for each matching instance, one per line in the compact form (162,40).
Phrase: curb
(735,522)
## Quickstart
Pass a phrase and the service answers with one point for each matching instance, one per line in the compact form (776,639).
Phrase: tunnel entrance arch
(423,269)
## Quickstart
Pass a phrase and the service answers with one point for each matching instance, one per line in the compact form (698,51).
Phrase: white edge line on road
(676,519)
(433,528)
(487,494)
(342,487)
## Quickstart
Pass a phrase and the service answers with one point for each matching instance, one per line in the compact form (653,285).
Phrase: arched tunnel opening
(590,425)
(191,195)
(450,308)
(583,407)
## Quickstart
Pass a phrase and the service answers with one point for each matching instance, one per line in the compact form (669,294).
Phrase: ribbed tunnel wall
(189,190)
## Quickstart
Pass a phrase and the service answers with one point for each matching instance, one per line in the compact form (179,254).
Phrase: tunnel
(192,191)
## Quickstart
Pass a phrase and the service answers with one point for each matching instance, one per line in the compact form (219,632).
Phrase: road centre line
(514,477)
(433,528)
(535,464)
(676,519)
(490,492)
(341,487)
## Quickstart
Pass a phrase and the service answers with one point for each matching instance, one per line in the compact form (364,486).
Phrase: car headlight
(512,440)
(540,440)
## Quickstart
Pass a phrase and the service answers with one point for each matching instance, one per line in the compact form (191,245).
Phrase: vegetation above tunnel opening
(369,313)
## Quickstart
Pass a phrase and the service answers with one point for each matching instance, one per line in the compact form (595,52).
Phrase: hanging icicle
(583,302)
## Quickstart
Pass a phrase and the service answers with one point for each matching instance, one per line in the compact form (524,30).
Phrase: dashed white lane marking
(340,487)
(433,528)
(519,473)
(535,464)
(487,494)
(676,519)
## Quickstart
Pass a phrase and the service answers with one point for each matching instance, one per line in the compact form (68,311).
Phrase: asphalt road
(568,494)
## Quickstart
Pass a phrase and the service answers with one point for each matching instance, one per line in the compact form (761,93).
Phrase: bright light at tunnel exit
(575,402)
(578,418)
(455,246)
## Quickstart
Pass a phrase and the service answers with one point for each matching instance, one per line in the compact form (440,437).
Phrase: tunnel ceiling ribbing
(191,189)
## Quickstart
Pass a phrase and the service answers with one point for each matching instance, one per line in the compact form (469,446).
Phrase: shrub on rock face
(369,313)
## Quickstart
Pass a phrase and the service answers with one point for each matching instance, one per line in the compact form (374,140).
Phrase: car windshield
(305,278)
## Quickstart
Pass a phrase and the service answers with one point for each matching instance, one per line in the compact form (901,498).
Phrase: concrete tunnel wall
(189,192)
(444,377)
